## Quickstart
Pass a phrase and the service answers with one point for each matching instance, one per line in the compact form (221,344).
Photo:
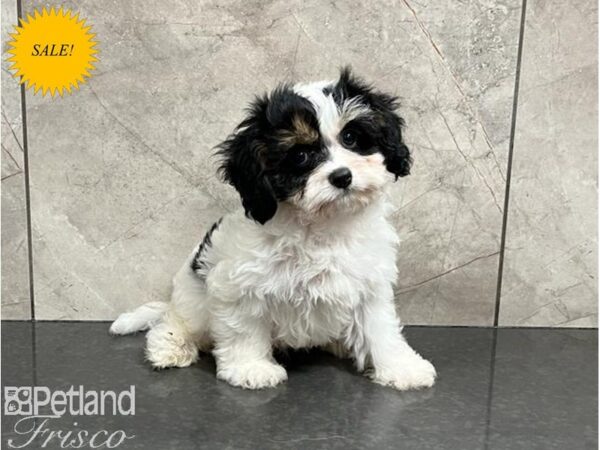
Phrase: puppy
(310,259)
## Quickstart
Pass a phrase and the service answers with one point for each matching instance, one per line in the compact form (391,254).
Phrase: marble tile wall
(550,270)
(123,192)
(15,272)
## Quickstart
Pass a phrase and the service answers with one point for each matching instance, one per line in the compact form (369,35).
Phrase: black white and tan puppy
(309,261)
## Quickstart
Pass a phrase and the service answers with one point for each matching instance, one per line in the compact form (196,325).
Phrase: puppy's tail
(139,319)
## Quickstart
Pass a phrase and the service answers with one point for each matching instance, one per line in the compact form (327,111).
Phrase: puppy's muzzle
(341,177)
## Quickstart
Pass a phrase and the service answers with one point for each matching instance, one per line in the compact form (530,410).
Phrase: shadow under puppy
(310,259)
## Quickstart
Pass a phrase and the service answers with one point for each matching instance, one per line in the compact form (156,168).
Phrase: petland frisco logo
(40,406)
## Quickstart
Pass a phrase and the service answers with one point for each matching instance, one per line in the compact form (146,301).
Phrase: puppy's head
(325,148)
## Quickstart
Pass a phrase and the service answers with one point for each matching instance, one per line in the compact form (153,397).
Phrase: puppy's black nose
(341,178)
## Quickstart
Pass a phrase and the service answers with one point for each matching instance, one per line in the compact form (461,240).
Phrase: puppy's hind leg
(183,330)
(170,343)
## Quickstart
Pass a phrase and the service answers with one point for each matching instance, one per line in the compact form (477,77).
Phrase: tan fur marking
(302,133)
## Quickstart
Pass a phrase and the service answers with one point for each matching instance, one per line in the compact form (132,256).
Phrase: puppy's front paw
(412,372)
(253,375)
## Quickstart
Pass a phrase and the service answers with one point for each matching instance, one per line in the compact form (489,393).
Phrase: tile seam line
(407,326)
(511,146)
(27,185)
(490,393)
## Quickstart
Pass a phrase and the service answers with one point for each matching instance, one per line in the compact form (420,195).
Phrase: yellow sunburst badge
(52,51)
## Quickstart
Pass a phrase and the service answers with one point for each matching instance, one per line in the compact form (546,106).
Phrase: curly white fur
(287,285)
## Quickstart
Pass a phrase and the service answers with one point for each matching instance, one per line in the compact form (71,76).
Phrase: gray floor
(505,389)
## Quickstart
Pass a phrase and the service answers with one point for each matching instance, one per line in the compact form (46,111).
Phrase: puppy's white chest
(311,295)
(301,275)
(307,285)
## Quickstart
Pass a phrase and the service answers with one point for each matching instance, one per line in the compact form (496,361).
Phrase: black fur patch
(384,127)
(198,263)
(264,158)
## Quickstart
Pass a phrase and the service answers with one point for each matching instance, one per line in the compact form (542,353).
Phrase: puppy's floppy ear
(241,164)
(397,156)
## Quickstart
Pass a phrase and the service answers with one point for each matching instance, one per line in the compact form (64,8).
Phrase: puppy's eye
(348,138)
(299,158)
